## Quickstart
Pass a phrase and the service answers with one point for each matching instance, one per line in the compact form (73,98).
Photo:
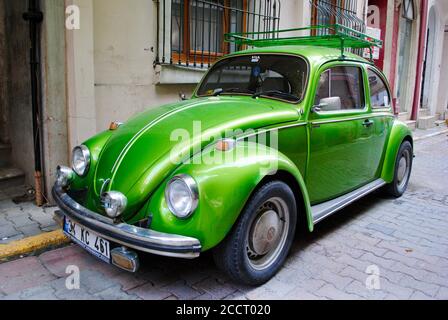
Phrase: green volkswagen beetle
(272,137)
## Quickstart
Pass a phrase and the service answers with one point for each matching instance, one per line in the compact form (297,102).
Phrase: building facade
(414,33)
(106,60)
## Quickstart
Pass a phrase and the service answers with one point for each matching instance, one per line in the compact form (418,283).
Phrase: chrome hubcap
(268,233)
(403,169)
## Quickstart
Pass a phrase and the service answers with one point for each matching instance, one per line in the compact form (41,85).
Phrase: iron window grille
(342,12)
(408,9)
(191,32)
(330,12)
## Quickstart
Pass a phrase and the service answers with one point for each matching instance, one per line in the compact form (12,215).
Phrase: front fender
(95,145)
(225,180)
(400,132)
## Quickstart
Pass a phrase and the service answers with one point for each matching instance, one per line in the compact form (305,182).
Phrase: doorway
(429,61)
(16,133)
(404,58)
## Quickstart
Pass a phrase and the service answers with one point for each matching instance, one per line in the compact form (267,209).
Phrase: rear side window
(340,88)
(379,95)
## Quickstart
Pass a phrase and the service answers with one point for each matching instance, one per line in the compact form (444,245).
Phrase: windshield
(273,76)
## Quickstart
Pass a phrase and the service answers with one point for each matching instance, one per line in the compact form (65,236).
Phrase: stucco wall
(110,62)
(124,45)
(437,93)
(442,101)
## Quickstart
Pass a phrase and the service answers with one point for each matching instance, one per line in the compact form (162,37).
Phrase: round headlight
(182,196)
(81,160)
(114,203)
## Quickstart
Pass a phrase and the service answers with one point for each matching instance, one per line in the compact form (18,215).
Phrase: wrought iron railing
(342,12)
(191,32)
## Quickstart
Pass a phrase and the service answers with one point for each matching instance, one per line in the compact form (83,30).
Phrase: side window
(340,88)
(379,95)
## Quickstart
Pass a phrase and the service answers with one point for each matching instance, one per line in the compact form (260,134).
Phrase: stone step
(403,116)
(412,124)
(423,112)
(5,154)
(11,177)
(426,122)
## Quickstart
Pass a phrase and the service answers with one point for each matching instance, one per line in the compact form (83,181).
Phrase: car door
(382,116)
(341,131)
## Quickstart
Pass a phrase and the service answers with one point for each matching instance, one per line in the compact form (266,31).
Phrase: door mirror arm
(316,109)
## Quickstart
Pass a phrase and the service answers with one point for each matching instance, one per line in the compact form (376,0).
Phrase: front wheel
(402,173)
(260,241)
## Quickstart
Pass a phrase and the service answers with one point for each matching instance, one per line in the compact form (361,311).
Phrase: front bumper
(140,239)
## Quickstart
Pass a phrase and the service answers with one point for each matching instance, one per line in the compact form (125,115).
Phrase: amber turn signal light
(114,125)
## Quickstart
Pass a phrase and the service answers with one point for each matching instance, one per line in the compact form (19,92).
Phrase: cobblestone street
(406,240)
(18,221)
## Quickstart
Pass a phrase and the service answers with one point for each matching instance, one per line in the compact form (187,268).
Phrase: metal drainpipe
(34,16)
(420,57)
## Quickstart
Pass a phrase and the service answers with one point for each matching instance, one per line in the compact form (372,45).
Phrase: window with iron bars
(191,32)
(329,12)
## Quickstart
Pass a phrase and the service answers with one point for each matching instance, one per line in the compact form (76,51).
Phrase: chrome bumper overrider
(141,239)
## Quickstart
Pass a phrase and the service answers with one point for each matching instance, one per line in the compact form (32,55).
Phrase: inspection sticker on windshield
(255,59)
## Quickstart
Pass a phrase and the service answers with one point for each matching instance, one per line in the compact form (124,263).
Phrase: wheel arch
(399,134)
(303,209)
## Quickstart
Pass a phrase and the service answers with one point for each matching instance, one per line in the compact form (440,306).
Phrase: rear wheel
(403,168)
(259,243)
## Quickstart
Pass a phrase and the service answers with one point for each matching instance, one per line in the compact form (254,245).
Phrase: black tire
(259,218)
(401,180)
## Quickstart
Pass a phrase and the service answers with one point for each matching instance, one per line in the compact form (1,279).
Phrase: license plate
(87,239)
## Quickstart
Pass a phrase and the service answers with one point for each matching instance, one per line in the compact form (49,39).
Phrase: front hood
(146,141)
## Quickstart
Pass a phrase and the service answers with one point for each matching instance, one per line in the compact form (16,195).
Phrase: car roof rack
(331,36)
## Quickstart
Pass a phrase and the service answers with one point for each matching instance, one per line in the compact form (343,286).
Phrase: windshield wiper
(220,91)
(278,93)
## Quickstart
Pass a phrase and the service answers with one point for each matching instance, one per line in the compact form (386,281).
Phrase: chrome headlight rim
(116,198)
(86,154)
(192,187)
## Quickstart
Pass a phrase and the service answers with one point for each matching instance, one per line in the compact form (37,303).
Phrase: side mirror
(328,104)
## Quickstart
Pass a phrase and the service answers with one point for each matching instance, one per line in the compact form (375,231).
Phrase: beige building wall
(442,105)
(438,93)
(405,106)
(110,74)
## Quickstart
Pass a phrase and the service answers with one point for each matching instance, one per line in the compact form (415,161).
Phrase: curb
(32,244)
(435,134)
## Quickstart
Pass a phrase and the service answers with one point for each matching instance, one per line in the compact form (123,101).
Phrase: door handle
(367,123)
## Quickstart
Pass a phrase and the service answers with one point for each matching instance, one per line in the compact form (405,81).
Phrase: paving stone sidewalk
(18,221)
(403,243)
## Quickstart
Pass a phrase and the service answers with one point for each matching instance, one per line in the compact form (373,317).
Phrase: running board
(326,209)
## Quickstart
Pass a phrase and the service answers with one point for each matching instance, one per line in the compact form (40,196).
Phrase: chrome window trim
(355,64)
(364,116)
